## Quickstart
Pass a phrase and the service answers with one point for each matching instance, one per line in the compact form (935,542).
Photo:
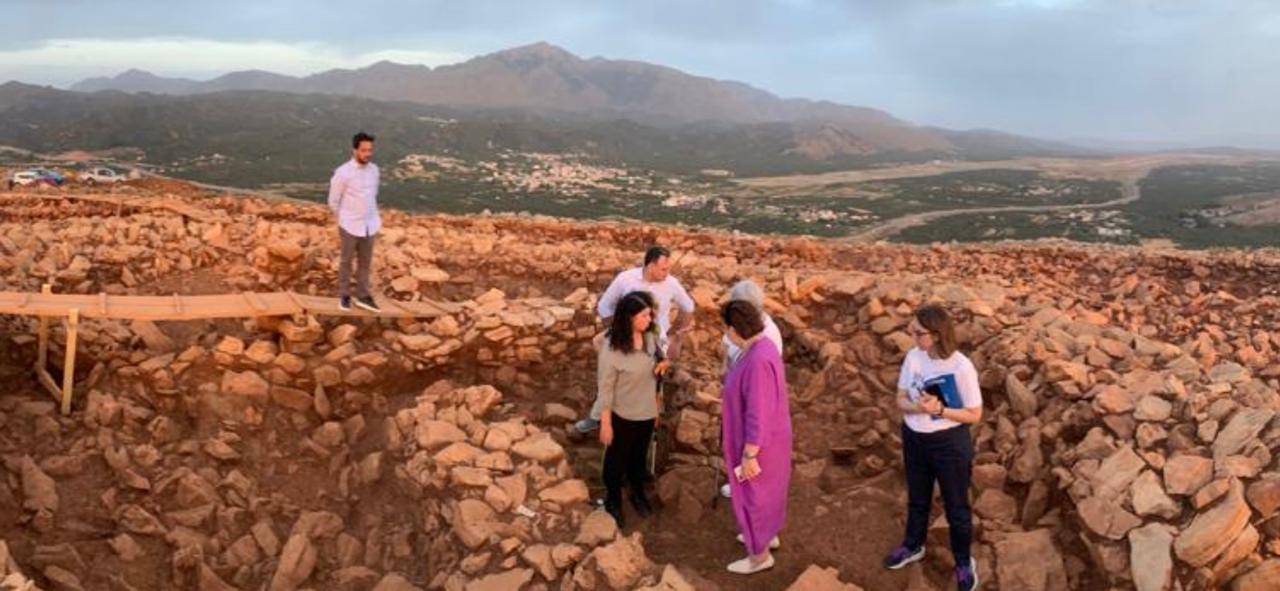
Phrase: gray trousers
(362,249)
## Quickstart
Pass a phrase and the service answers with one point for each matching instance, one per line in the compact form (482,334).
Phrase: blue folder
(944,387)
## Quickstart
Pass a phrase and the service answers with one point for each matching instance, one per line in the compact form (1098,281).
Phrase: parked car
(51,174)
(27,178)
(101,174)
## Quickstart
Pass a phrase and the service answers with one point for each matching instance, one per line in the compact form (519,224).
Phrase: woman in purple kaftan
(756,427)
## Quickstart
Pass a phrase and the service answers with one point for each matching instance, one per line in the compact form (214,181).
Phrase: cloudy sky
(1185,71)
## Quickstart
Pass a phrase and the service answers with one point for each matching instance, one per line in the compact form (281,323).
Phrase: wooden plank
(46,380)
(392,308)
(180,307)
(255,301)
(294,299)
(69,361)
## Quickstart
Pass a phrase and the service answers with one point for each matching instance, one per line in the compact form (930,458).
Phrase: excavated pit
(358,453)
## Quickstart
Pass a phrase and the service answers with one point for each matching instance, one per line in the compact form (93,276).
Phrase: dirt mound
(1128,442)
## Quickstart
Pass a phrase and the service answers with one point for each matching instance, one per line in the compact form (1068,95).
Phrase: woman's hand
(606,434)
(930,404)
(750,468)
(661,367)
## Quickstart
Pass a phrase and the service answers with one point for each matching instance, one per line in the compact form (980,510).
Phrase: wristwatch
(747,456)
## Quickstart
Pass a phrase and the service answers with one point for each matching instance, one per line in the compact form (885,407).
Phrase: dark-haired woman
(627,373)
(756,429)
(939,397)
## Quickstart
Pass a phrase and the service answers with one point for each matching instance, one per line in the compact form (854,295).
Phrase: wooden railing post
(42,334)
(69,363)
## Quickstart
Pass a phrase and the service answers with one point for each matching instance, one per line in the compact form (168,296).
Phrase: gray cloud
(1138,69)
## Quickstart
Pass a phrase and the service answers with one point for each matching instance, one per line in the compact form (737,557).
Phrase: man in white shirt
(654,277)
(353,198)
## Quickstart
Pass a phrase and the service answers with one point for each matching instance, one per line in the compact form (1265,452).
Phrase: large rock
(1021,398)
(297,561)
(538,556)
(1185,474)
(39,491)
(672,580)
(395,582)
(566,493)
(597,528)
(690,427)
(996,505)
(817,578)
(1212,531)
(1116,472)
(1029,561)
(623,561)
(1152,408)
(1106,517)
(1149,497)
(245,383)
(1243,427)
(1149,556)
(539,447)
(473,522)
(1264,577)
(432,434)
(1264,495)
(512,580)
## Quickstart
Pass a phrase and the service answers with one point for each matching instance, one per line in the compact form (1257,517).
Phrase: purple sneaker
(902,556)
(967,576)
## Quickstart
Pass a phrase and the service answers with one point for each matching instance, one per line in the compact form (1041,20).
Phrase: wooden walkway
(200,307)
(70,308)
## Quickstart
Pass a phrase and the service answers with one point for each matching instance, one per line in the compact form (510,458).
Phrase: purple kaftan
(756,411)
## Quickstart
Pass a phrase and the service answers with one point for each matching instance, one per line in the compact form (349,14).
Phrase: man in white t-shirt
(654,276)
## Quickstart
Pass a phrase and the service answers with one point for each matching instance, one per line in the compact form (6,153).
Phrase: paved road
(1129,191)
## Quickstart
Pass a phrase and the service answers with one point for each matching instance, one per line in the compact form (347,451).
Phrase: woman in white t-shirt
(939,396)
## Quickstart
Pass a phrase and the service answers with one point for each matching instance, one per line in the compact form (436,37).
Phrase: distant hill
(277,136)
(554,83)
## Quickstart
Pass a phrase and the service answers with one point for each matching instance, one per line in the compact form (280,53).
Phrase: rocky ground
(1132,403)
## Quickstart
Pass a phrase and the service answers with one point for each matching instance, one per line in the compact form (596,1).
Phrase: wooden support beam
(102,303)
(46,380)
(255,301)
(177,303)
(42,335)
(69,362)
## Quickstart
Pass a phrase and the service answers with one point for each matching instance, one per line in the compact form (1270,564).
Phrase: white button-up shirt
(664,292)
(353,197)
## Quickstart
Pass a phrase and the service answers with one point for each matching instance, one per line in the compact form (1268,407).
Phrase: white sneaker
(746,567)
(774,544)
(726,492)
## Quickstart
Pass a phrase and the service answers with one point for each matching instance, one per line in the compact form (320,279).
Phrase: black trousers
(627,457)
(947,458)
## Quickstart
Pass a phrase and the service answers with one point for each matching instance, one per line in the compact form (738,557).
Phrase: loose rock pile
(1128,441)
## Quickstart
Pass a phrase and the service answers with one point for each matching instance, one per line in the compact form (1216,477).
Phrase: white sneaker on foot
(726,492)
(774,544)
(746,567)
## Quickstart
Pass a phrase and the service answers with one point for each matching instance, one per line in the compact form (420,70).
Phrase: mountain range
(551,82)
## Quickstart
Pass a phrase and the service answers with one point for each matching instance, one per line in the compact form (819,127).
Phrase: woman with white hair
(748,291)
